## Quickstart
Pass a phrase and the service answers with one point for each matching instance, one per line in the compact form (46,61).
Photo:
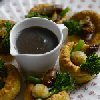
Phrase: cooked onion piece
(67,65)
(5,27)
(12,84)
(84,25)
(49,11)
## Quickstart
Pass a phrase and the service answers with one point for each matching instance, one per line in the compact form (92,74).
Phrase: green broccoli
(92,64)
(32,14)
(33,79)
(74,27)
(79,46)
(64,11)
(36,14)
(6,41)
(63,82)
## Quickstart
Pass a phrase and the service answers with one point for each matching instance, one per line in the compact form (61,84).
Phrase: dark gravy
(36,40)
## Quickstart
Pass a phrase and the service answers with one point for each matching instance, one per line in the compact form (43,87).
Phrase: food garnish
(84,25)
(49,11)
(92,15)
(74,27)
(88,29)
(83,28)
(64,11)
(33,79)
(90,61)
(77,56)
(81,64)
(92,64)
(63,82)
(36,14)
(5,43)
(79,46)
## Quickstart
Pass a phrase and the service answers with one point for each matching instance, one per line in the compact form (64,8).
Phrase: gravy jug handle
(64,31)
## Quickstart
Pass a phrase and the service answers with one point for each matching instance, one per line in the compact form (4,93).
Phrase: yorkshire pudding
(12,84)
(92,26)
(49,11)
(94,17)
(67,65)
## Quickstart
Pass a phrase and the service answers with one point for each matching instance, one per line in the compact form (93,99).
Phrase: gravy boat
(37,62)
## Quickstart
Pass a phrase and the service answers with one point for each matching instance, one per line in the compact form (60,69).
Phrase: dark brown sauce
(36,40)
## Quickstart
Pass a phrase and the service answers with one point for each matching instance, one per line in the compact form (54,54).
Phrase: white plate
(17,9)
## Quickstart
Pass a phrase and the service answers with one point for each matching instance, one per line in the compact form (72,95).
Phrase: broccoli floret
(63,82)
(64,11)
(79,46)
(92,64)
(32,14)
(74,27)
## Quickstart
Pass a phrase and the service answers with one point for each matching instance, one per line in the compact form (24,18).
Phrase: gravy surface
(36,40)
